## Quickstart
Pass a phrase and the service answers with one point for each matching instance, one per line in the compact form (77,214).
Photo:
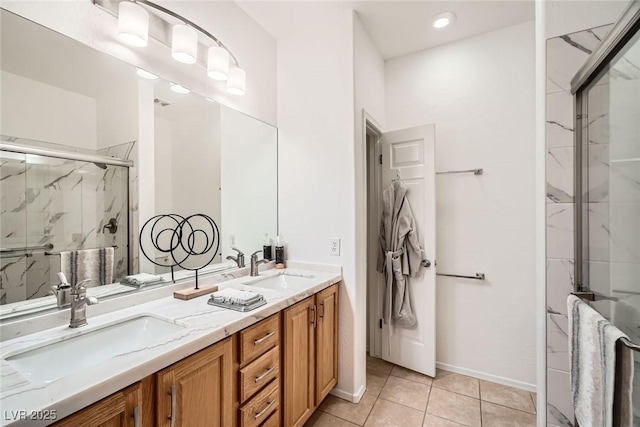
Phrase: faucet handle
(237,250)
(80,285)
(255,254)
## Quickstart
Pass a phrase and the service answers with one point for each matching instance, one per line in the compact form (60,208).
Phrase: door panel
(326,342)
(410,154)
(299,360)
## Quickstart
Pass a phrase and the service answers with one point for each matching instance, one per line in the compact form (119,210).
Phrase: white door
(410,154)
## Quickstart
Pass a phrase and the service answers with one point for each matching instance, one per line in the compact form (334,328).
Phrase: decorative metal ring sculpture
(194,238)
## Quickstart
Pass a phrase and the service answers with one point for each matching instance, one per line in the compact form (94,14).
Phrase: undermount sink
(55,360)
(282,282)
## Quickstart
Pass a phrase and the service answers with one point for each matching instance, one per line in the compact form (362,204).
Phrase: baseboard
(354,398)
(488,377)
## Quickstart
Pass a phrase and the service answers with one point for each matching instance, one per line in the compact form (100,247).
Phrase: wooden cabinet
(198,390)
(275,372)
(310,347)
(298,326)
(326,342)
(121,409)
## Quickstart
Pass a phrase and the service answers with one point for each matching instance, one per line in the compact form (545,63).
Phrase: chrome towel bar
(478,171)
(478,276)
(8,252)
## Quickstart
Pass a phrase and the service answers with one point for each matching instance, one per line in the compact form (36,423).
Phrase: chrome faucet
(79,302)
(255,263)
(239,260)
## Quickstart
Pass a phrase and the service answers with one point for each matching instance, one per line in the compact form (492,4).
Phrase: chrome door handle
(264,374)
(266,408)
(172,417)
(264,338)
(136,417)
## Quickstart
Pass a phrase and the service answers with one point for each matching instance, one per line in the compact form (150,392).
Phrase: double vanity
(183,363)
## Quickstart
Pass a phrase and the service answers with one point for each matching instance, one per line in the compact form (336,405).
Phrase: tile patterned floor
(399,397)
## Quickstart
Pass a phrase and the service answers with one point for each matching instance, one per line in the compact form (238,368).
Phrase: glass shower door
(611,177)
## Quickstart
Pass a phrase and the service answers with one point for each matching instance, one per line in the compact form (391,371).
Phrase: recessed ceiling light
(179,89)
(443,19)
(211,100)
(145,74)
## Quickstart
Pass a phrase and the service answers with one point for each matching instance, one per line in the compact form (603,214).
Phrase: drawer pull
(172,417)
(136,416)
(264,374)
(264,338)
(266,408)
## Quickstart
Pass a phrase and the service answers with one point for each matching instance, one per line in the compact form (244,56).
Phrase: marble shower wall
(62,202)
(565,55)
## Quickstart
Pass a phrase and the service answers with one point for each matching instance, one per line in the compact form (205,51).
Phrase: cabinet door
(121,409)
(326,342)
(198,390)
(299,362)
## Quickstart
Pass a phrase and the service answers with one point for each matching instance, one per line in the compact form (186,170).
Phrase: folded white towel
(143,278)
(236,296)
(592,354)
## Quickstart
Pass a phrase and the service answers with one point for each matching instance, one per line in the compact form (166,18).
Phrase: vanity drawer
(258,409)
(273,421)
(258,338)
(258,373)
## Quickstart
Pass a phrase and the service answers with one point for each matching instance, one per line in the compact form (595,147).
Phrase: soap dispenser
(62,291)
(267,248)
(279,253)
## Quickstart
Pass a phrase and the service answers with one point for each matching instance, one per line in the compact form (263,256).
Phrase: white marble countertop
(203,325)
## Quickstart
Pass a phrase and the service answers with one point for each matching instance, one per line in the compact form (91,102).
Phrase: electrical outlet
(334,247)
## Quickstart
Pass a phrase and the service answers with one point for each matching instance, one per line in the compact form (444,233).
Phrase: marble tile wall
(62,202)
(565,55)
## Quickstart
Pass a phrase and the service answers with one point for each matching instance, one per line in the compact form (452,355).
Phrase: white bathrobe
(400,255)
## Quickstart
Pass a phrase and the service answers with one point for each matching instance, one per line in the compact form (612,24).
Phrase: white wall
(567,16)
(38,111)
(479,92)
(254,47)
(316,157)
(117,114)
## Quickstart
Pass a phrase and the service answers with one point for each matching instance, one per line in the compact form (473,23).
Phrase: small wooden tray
(187,294)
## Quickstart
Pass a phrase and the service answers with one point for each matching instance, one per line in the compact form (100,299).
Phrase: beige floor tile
(407,393)
(433,421)
(389,414)
(457,383)
(408,374)
(455,407)
(354,412)
(322,419)
(375,384)
(378,367)
(507,396)
(499,416)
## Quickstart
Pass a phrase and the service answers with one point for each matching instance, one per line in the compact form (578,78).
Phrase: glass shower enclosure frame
(600,166)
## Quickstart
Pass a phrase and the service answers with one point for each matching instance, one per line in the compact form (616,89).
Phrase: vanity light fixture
(236,84)
(133,24)
(145,74)
(136,17)
(443,19)
(179,89)
(218,63)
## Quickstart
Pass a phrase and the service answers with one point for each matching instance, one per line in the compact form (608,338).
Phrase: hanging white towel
(592,354)
(94,264)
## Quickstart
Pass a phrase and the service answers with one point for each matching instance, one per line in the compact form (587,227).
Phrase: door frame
(372,301)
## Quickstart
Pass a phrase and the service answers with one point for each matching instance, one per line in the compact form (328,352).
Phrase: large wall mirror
(91,150)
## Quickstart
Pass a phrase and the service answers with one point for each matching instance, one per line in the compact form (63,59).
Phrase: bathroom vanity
(190,363)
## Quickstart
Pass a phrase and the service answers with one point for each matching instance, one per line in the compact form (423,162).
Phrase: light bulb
(184,44)
(236,84)
(179,89)
(133,24)
(218,63)
(443,19)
